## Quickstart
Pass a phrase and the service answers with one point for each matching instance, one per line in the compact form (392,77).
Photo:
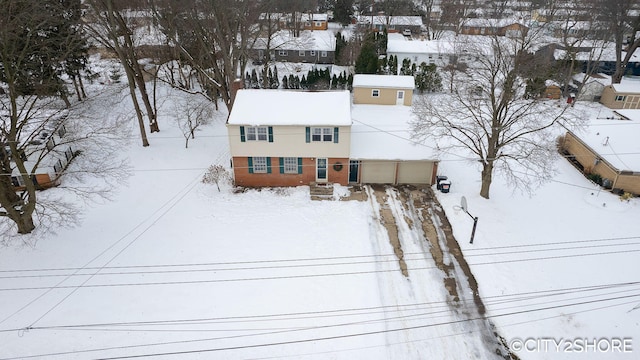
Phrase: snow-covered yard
(172,266)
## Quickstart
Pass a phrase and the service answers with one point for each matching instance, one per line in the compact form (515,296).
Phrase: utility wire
(342,336)
(289,277)
(330,258)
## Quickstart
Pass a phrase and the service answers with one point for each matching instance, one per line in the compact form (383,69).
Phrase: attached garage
(397,172)
(415,172)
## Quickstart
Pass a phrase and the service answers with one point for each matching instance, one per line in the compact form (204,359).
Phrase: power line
(422,326)
(304,265)
(329,258)
(289,277)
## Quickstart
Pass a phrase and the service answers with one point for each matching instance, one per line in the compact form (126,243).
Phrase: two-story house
(290,138)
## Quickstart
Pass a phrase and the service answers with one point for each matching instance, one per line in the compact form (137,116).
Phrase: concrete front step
(324,189)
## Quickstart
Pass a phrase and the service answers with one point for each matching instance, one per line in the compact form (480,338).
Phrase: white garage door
(378,172)
(415,172)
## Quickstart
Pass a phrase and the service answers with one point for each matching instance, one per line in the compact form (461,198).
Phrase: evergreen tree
(342,11)
(393,65)
(255,82)
(285,82)
(406,67)
(427,78)
(276,79)
(367,61)
(303,83)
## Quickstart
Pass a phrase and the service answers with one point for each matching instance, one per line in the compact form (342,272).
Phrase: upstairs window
(257,133)
(322,134)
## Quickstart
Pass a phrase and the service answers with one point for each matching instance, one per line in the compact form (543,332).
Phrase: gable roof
(384,81)
(285,107)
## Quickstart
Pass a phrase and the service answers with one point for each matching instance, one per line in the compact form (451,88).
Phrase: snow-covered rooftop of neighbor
(384,81)
(374,125)
(477,22)
(614,139)
(628,85)
(280,107)
(392,20)
(461,44)
(603,79)
(323,40)
(600,52)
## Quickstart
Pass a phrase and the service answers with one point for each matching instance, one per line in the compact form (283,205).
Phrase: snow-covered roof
(391,20)
(602,79)
(398,44)
(627,85)
(598,52)
(384,81)
(613,140)
(322,40)
(496,23)
(282,107)
(389,125)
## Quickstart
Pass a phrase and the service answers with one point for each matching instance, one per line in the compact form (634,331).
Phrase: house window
(323,53)
(322,134)
(301,52)
(620,97)
(290,165)
(312,53)
(257,133)
(375,93)
(283,53)
(260,164)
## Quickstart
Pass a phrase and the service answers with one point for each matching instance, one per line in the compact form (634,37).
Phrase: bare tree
(216,174)
(212,37)
(487,116)
(623,20)
(45,141)
(112,23)
(190,113)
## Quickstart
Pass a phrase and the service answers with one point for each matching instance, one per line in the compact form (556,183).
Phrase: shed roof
(285,107)
(384,81)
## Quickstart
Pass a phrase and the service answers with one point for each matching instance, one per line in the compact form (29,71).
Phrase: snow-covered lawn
(171,265)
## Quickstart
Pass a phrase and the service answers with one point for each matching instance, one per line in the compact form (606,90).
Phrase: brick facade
(243,177)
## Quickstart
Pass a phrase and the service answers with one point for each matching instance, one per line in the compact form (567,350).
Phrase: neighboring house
(316,47)
(499,27)
(383,89)
(591,89)
(48,152)
(315,21)
(418,51)
(625,95)
(608,148)
(290,138)
(593,57)
(392,24)
(297,20)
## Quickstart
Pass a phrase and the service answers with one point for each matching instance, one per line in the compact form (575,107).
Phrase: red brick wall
(244,178)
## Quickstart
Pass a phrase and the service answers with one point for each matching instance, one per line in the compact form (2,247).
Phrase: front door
(353,171)
(321,169)
(400,98)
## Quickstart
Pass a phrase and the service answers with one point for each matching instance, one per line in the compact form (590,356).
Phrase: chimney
(236,85)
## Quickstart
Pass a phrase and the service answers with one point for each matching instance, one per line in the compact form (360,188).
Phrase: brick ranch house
(609,148)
